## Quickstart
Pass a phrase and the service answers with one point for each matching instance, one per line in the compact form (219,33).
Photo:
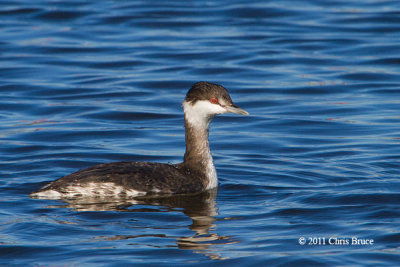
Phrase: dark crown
(205,91)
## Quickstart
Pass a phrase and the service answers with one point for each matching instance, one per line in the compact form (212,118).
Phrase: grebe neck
(198,156)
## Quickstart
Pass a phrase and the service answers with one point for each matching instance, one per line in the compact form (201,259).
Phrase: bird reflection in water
(200,208)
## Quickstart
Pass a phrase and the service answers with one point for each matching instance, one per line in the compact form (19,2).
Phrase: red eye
(214,100)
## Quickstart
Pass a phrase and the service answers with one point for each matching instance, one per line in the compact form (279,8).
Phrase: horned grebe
(129,179)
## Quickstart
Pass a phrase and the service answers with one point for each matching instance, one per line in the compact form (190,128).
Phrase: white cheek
(201,112)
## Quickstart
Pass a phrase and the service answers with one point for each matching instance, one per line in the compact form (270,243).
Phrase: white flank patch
(90,190)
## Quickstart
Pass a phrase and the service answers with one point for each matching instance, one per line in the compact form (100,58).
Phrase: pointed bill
(235,109)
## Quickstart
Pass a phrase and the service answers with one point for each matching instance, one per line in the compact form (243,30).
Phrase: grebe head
(206,100)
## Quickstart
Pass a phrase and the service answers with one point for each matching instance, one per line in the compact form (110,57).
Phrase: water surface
(83,83)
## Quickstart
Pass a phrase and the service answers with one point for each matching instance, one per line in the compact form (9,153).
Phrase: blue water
(88,82)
